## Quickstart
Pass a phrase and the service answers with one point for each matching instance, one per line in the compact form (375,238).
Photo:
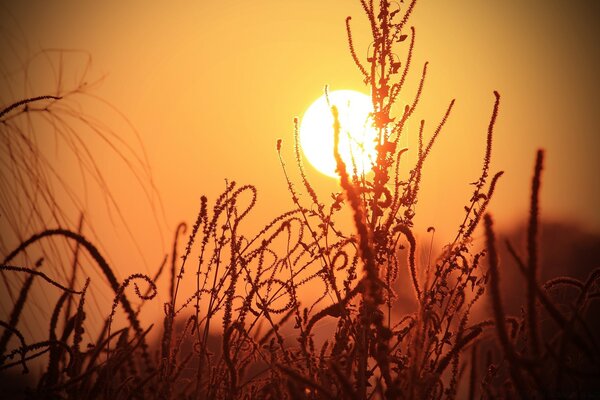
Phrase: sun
(358,137)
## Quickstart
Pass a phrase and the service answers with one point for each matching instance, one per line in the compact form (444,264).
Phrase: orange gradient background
(211,85)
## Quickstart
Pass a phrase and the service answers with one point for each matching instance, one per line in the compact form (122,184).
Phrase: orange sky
(211,85)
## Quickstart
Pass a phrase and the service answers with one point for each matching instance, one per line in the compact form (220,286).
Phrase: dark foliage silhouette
(248,330)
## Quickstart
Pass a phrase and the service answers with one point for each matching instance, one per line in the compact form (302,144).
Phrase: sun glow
(358,137)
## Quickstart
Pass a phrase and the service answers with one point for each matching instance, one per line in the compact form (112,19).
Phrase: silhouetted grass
(250,283)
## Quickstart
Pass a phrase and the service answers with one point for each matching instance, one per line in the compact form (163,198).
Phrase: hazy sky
(211,85)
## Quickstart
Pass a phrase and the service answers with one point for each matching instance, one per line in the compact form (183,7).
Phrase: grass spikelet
(499,315)
(23,350)
(300,164)
(357,62)
(52,371)
(412,189)
(95,254)
(365,251)
(397,87)
(411,257)
(33,272)
(490,136)
(532,263)
(25,102)
(120,296)
(79,319)
(21,338)
(17,310)
(74,266)
(201,218)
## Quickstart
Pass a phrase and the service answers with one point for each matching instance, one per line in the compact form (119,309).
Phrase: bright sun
(357,136)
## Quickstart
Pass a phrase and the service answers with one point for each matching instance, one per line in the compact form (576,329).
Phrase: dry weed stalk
(248,288)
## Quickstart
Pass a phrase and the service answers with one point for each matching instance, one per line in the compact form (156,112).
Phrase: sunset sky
(211,85)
